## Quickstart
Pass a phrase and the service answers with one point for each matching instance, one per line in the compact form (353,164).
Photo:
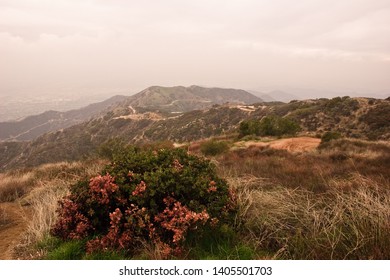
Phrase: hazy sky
(57,45)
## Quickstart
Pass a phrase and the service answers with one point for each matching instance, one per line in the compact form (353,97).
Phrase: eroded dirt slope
(13,223)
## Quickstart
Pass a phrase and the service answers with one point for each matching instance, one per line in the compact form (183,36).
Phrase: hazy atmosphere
(195,130)
(88,47)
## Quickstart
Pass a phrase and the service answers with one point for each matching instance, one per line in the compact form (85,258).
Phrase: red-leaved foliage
(71,223)
(139,189)
(156,198)
(178,219)
(126,229)
(102,187)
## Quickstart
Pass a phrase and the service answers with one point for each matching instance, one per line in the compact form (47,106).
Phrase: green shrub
(157,197)
(249,127)
(340,106)
(110,147)
(269,126)
(213,148)
(377,119)
(329,136)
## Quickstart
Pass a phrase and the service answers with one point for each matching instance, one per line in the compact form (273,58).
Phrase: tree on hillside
(269,126)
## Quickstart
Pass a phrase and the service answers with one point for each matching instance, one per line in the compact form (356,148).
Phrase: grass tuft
(71,250)
(299,224)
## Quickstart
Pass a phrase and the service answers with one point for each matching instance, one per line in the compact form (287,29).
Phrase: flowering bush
(146,196)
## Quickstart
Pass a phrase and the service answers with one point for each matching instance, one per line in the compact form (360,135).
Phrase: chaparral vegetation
(298,180)
(165,200)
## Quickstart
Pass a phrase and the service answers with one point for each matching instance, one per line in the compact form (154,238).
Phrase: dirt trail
(13,222)
(298,144)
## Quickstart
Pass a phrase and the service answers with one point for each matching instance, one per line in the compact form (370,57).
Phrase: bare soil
(13,223)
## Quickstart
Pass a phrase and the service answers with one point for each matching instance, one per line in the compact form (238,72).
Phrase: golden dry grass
(298,224)
(12,187)
(17,183)
(42,188)
(332,203)
(3,217)
(311,205)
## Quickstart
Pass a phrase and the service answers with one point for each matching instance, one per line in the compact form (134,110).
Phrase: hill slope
(352,117)
(33,126)
(184,99)
(163,99)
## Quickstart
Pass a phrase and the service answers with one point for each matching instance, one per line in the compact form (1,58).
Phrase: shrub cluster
(377,119)
(269,126)
(146,196)
(213,147)
(340,106)
(329,136)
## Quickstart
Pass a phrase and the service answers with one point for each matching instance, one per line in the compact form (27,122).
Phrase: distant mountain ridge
(33,126)
(276,95)
(177,99)
(185,99)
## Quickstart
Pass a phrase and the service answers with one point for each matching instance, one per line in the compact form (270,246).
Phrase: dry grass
(15,184)
(152,251)
(315,171)
(298,224)
(312,205)
(13,187)
(43,187)
(333,203)
(3,217)
(44,202)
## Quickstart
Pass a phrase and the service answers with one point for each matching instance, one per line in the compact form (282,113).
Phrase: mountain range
(163,99)
(33,126)
(182,114)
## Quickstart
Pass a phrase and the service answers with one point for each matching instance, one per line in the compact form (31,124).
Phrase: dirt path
(298,144)
(13,222)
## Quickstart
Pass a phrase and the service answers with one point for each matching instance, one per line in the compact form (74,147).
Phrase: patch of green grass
(213,148)
(71,250)
(105,255)
(49,243)
(224,245)
(74,250)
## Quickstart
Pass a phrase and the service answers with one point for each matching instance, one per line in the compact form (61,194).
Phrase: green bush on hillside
(146,197)
(329,136)
(269,126)
(213,148)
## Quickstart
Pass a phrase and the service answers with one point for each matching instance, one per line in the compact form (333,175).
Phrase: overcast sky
(65,45)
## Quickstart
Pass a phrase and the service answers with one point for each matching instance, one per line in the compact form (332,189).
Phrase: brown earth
(298,144)
(13,223)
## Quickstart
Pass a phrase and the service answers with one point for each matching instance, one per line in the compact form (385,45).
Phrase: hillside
(184,99)
(296,201)
(163,99)
(33,126)
(352,117)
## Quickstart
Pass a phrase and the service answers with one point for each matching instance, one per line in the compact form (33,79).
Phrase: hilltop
(184,99)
